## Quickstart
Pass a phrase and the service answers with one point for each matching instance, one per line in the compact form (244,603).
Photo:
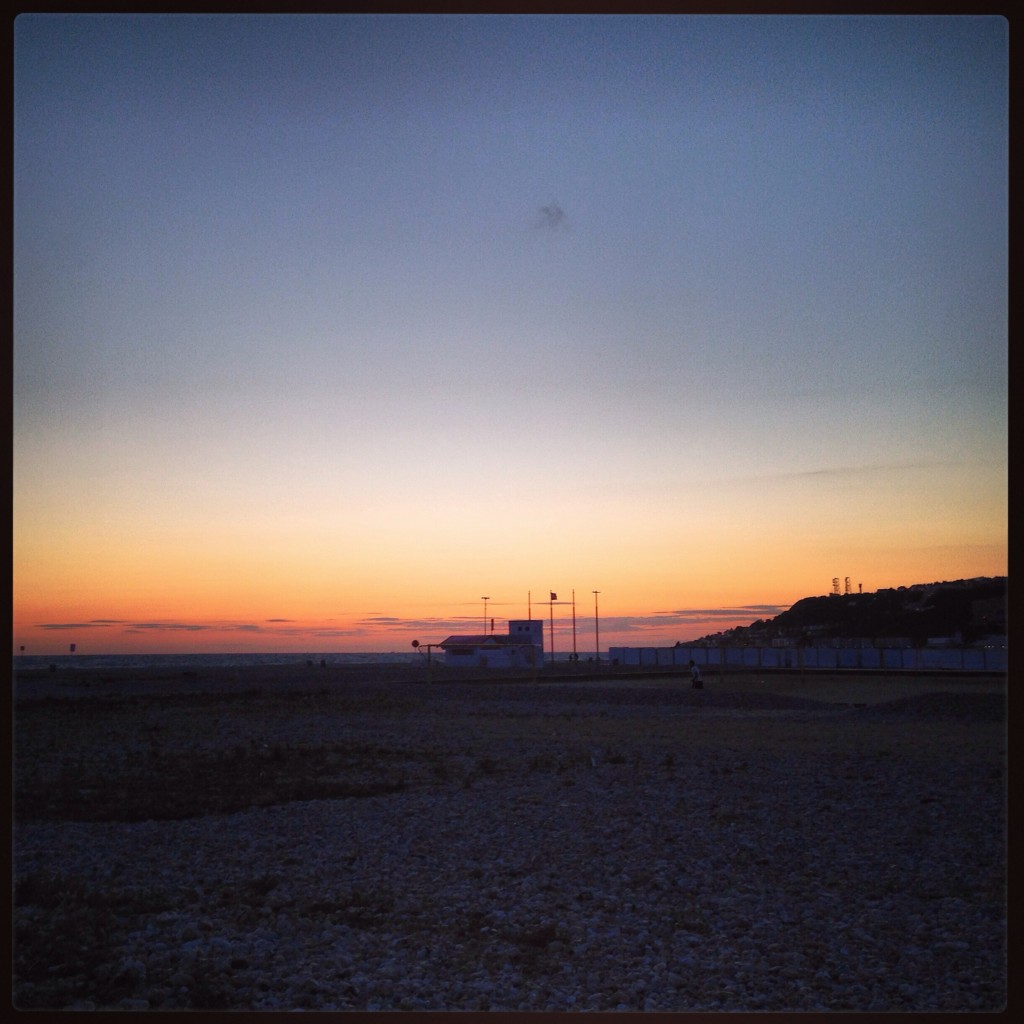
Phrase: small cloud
(552,218)
(188,627)
(335,632)
(95,624)
(756,611)
(419,625)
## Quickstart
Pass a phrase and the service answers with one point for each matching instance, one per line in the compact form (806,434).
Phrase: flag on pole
(554,596)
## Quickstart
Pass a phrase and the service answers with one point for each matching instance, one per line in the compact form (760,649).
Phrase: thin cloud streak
(171,627)
(757,610)
(851,471)
(428,629)
(93,624)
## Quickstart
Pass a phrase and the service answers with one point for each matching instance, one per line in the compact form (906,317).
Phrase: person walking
(696,680)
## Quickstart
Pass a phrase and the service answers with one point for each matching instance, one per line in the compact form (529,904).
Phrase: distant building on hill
(521,647)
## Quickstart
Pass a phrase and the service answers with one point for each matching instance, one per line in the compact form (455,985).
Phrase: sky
(325,327)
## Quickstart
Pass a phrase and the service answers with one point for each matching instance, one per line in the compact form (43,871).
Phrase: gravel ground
(517,847)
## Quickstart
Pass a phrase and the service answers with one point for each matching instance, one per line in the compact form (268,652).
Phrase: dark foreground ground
(301,838)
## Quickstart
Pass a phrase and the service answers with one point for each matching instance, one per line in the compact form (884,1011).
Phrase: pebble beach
(319,842)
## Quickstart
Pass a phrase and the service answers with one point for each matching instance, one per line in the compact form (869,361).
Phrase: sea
(42,662)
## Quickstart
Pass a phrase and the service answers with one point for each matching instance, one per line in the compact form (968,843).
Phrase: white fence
(957,659)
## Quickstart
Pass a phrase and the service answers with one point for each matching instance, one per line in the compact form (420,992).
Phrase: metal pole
(485,600)
(551,629)
(597,631)
(574,625)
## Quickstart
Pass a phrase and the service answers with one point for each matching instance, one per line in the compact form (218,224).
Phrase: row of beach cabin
(522,647)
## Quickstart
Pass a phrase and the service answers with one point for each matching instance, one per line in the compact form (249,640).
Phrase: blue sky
(367,314)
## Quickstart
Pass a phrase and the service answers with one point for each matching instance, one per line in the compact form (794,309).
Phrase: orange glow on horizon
(99,624)
(375,576)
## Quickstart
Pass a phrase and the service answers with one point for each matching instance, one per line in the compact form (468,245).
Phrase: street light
(429,647)
(485,600)
(597,631)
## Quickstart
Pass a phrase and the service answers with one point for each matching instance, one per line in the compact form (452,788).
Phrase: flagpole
(551,631)
(574,624)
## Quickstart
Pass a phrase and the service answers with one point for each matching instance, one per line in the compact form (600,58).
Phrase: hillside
(965,610)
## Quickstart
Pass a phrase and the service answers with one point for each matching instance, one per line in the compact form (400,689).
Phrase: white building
(521,647)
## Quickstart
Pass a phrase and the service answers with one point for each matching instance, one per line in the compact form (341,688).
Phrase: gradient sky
(327,326)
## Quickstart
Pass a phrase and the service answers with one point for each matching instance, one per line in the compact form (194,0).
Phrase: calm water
(27,662)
